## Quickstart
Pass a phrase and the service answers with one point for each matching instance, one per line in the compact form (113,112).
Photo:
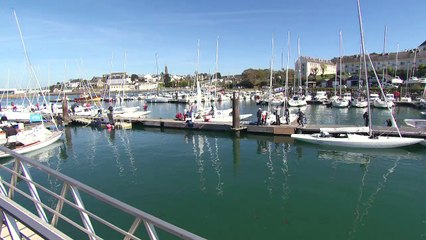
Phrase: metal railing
(17,185)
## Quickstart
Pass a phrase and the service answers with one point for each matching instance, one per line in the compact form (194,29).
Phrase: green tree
(323,69)
(421,70)
(167,80)
(246,84)
(218,75)
(314,72)
(134,77)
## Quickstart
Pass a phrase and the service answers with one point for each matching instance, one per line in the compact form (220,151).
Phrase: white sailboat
(38,136)
(339,101)
(352,140)
(292,116)
(359,100)
(219,115)
(298,99)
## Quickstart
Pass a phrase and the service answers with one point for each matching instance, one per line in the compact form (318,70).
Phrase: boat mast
(125,73)
(7,91)
(414,62)
(286,71)
(196,77)
(340,63)
(216,67)
(299,65)
(359,72)
(361,30)
(384,51)
(156,64)
(270,74)
(396,58)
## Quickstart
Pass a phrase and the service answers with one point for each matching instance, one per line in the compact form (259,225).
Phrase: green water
(252,187)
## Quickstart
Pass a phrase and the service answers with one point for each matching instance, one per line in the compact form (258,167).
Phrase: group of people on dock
(262,117)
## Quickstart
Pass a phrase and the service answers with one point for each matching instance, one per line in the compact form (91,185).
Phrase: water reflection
(206,149)
(277,152)
(285,170)
(198,150)
(216,164)
(270,166)
(124,137)
(363,205)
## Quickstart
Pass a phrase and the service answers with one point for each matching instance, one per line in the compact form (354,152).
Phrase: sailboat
(339,101)
(385,101)
(38,136)
(214,114)
(292,116)
(298,100)
(359,101)
(350,139)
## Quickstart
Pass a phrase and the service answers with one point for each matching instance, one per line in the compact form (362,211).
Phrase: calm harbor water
(253,187)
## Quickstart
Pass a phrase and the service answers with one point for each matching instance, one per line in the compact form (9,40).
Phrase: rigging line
(383,94)
(361,31)
(32,71)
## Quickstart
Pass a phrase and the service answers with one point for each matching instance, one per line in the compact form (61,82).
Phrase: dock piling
(235,111)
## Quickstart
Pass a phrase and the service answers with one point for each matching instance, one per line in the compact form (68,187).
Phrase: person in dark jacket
(259,116)
(366,120)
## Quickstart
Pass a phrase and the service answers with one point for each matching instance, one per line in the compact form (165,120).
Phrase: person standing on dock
(287,116)
(300,118)
(277,116)
(259,116)
(365,116)
(145,107)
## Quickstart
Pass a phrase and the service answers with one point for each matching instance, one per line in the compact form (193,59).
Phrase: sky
(87,38)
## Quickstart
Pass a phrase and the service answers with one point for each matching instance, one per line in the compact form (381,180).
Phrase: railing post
(151,230)
(10,221)
(34,193)
(133,228)
(14,178)
(84,216)
(60,205)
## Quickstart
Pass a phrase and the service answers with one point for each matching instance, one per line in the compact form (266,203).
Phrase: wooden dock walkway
(284,130)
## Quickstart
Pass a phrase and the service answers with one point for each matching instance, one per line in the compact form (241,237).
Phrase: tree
(134,77)
(218,75)
(167,80)
(323,69)
(246,84)
(314,72)
(421,70)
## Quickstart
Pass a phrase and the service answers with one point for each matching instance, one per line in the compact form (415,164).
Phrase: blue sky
(81,38)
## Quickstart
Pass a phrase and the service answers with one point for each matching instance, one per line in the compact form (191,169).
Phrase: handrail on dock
(18,188)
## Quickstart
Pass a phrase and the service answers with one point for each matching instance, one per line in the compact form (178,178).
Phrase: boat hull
(38,145)
(357,141)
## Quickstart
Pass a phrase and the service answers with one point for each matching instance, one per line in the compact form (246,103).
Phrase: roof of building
(316,60)
(403,55)
(423,44)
